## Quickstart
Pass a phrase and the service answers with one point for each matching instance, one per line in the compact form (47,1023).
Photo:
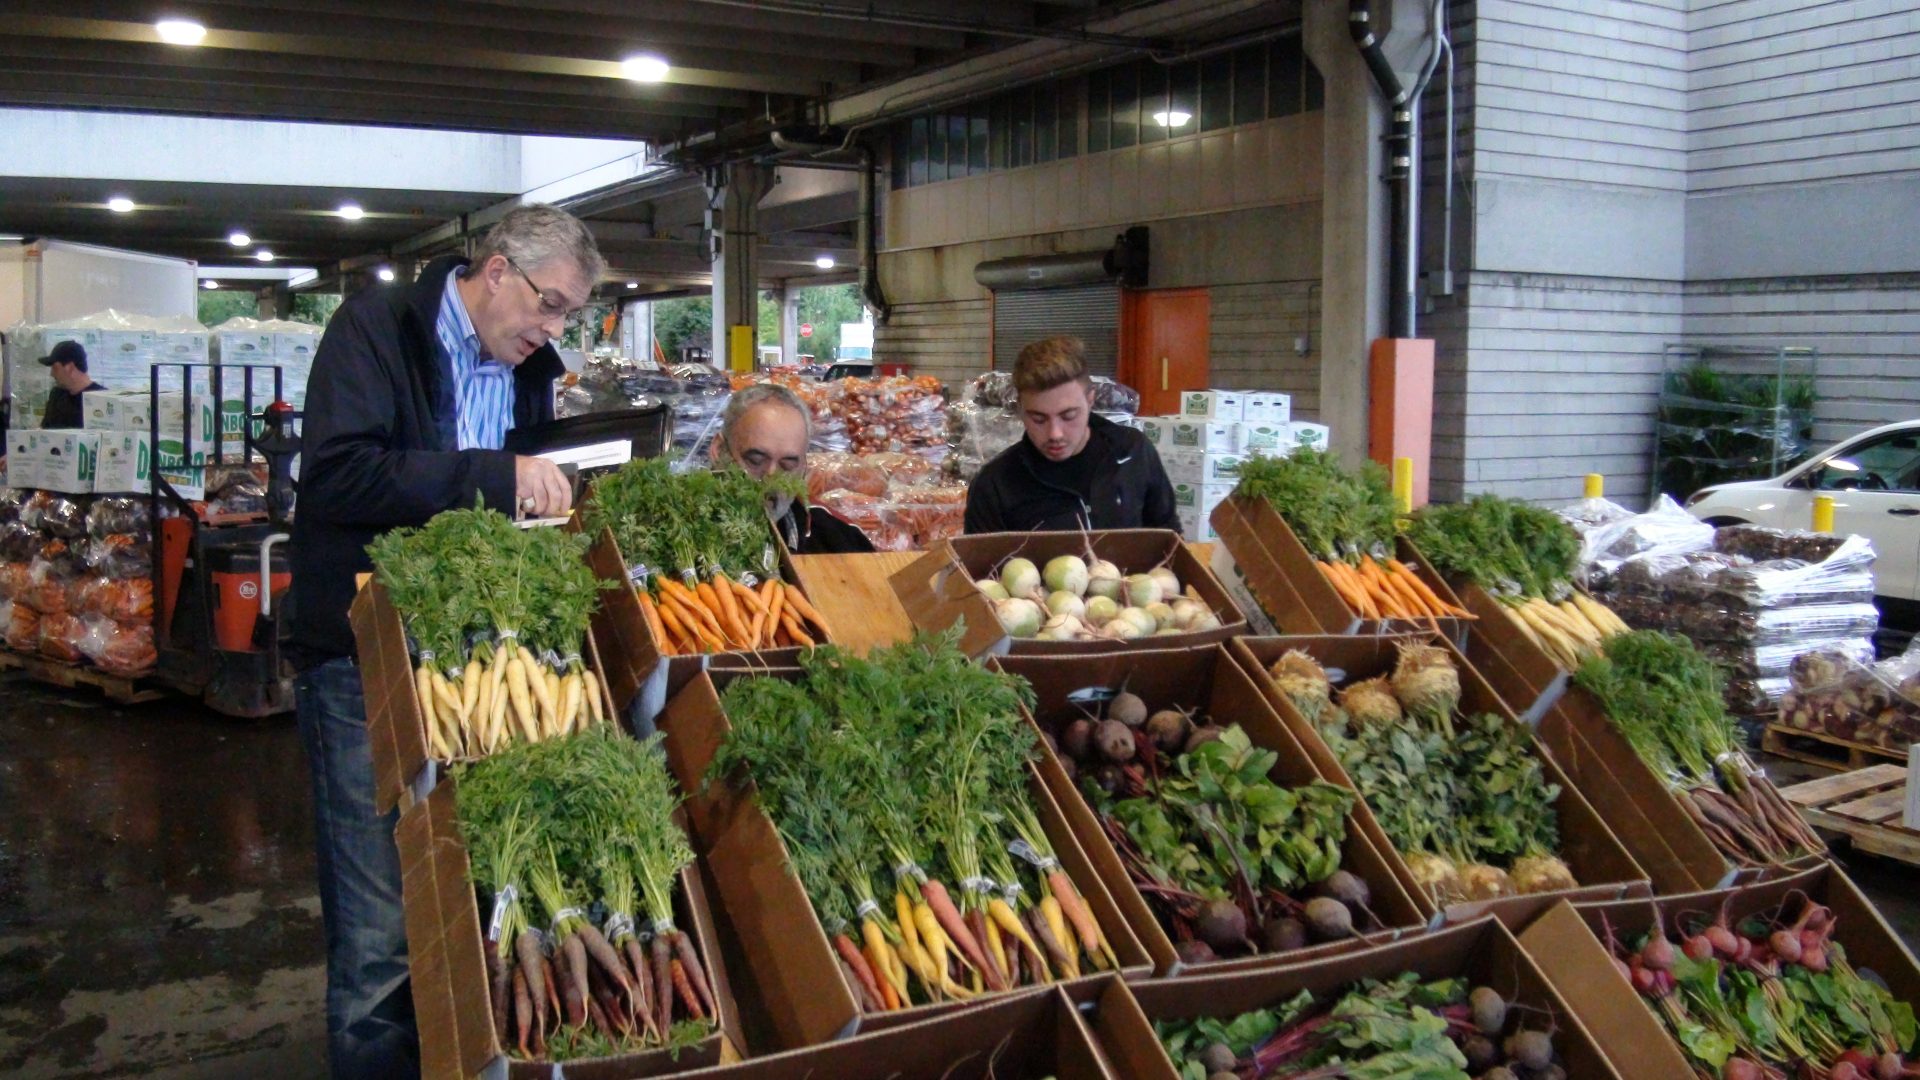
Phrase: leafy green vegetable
(667,522)
(1665,697)
(1507,546)
(1337,513)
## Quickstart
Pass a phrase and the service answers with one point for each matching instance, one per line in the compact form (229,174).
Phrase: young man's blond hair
(1051,362)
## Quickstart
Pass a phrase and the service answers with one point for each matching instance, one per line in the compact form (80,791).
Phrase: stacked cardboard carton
(1215,432)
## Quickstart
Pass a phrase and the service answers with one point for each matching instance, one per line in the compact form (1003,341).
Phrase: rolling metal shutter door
(1088,312)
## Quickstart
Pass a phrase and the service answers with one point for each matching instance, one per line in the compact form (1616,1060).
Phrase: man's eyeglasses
(550,307)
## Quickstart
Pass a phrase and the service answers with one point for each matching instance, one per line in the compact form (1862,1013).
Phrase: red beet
(1697,947)
(1657,954)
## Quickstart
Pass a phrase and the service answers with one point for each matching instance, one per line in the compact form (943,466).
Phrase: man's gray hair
(540,235)
(744,402)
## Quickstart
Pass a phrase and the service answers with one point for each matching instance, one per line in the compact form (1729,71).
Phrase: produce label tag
(750,579)
(638,574)
(619,925)
(502,900)
(663,926)
(1022,849)
(565,915)
(867,909)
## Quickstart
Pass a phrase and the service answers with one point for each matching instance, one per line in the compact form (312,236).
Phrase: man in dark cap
(69,364)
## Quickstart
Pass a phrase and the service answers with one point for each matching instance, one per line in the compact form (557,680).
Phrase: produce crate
(938,590)
(1566,944)
(446,954)
(1026,1035)
(1205,676)
(1483,951)
(1598,861)
(1280,587)
(1500,635)
(395,726)
(1644,812)
(640,677)
(798,997)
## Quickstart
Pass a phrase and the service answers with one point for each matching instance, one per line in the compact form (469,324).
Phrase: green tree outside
(689,320)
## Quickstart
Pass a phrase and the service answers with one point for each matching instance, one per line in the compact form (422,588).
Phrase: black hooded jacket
(379,447)
(1130,488)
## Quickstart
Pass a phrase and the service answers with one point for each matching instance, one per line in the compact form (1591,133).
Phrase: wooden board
(853,594)
(1819,748)
(1865,806)
(119,690)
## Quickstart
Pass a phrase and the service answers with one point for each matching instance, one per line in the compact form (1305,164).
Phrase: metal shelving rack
(1731,412)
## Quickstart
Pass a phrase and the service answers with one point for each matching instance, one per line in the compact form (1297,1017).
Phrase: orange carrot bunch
(1387,590)
(722,614)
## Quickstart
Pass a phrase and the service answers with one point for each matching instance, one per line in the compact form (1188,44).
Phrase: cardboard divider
(396,727)
(1599,862)
(447,960)
(1206,677)
(1279,584)
(937,589)
(799,997)
(1022,1035)
(1483,951)
(1567,944)
(640,673)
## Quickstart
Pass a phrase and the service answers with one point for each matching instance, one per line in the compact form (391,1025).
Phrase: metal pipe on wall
(1403,149)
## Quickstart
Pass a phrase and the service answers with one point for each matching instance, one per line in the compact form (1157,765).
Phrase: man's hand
(541,489)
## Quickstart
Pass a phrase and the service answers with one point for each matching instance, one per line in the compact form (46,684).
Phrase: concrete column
(791,345)
(274,302)
(1353,225)
(733,196)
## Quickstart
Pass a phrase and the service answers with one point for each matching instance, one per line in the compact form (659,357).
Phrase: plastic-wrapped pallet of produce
(1834,693)
(1610,536)
(994,389)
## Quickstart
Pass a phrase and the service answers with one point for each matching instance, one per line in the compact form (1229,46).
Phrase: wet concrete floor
(158,915)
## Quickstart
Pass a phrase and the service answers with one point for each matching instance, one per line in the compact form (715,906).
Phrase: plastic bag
(1777,626)
(1666,529)
(904,470)
(18,543)
(23,627)
(13,580)
(1833,693)
(843,472)
(113,514)
(119,556)
(10,502)
(926,515)
(868,513)
(896,412)
(60,637)
(994,390)
(1762,544)
(35,505)
(125,600)
(976,434)
(1769,662)
(118,648)
(1737,581)
(63,517)
(47,589)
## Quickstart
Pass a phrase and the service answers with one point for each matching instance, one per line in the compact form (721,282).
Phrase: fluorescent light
(239,239)
(647,69)
(263,255)
(633,284)
(824,262)
(209,283)
(351,211)
(385,273)
(1172,118)
(180,31)
(120,204)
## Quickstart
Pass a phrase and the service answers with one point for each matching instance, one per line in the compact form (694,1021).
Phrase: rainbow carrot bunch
(899,786)
(701,557)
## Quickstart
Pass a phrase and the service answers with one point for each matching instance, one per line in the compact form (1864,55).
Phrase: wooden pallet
(119,690)
(1819,748)
(1865,806)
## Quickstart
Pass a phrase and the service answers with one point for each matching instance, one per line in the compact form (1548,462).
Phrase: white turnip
(1141,621)
(1142,590)
(1066,603)
(991,589)
(1020,578)
(1168,582)
(1019,616)
(1103,579)
(1162,615)
(1066,573)
(1101,610)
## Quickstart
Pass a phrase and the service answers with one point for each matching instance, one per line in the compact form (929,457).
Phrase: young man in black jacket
(1074,469)
(766,429)
(413,390)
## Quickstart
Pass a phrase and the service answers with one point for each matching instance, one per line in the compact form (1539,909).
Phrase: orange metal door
(1167,346)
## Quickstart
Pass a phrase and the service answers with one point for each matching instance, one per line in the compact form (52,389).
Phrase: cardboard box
(1203,436)
(1200,497)
(1309,435)
(1221,468)
(446,954)
(1483,951)
(179,347)
(64,460)
(23,461)
(641,676)
(1223,405)
(244,346)
(1271,573)
(1599,863)
(798,995)
(296,347)
(1024,1036)
(1264,439)
(1156,429)
(937,589)
(1565,943)
(395,727)
(1268,407)
(1183,464)
(125,463)
(1209,680)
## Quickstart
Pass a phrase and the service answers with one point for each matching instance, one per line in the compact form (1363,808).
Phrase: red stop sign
(806,329)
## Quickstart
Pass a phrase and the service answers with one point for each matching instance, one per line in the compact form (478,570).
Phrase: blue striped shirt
(482,386)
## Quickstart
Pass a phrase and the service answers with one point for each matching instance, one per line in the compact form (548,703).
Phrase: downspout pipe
(869,245)
(1403,147)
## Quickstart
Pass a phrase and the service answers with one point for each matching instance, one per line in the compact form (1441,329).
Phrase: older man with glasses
(413,391)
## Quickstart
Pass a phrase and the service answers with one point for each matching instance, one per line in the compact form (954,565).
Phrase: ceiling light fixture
(647,69)
(180,31)
(824,262)
(351,211)
(239,239)
(385,273)
(1172,118)
(633,284)
(120,204)
(209,284)
(263,255)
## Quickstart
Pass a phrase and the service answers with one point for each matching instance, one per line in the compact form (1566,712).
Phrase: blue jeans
(370,1025)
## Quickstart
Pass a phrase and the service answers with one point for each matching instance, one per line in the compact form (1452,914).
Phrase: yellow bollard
(1403,484)
(1823,513)
(1596,486)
